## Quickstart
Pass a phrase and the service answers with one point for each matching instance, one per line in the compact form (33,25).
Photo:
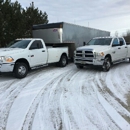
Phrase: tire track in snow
(67,112)
(69,95)
(12,90)
(108,121)
(114,101)
(27,125)
(88,96)
(68,100)
(9,97)
(51,106)
(5,86)
(56,110)
(123,75)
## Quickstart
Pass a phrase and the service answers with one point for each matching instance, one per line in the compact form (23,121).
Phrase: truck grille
(84,54)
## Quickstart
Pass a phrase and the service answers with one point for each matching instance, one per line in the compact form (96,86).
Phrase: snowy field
(67,99)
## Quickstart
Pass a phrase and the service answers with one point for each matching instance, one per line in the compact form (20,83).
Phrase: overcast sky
(109,15)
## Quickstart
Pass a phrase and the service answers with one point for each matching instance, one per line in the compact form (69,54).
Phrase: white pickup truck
(102,51)
(25,54)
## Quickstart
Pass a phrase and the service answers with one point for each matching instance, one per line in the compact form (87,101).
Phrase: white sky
(109,15)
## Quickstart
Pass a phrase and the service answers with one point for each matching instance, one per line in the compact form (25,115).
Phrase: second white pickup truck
(102,51)
(25,54)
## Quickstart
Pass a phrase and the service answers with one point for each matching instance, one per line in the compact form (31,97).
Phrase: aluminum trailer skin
(66,34)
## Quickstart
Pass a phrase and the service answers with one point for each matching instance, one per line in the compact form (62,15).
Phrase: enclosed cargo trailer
(66,34)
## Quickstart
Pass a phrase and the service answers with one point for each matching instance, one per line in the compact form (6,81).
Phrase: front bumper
(6,67)
(98,62)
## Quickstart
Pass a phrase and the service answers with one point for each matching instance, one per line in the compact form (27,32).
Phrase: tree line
(17,22)
(127,36)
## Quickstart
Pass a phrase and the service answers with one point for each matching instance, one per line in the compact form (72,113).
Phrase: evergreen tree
(33,16)
(16,22)
(127,36)
(5,8)
(1,22)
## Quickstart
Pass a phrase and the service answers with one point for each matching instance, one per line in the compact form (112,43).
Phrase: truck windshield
(100,41)
(19,44)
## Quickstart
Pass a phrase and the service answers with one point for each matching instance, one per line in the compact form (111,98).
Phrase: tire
(63,61)
(20,70)
(107,64)
(79,66)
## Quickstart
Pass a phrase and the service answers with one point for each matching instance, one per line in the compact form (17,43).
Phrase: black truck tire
(63,61)
(79,66)
(107,64)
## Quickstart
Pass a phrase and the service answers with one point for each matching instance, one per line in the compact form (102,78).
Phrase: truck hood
(10,51)
(95,48)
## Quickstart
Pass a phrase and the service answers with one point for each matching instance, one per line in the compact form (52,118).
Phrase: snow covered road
(67,99)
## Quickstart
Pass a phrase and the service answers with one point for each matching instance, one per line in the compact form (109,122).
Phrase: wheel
(63,61)
(20,70)
(107,64)
(79,66)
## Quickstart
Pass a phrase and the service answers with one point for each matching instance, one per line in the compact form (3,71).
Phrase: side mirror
(32,48)
(114,45)
(84,43)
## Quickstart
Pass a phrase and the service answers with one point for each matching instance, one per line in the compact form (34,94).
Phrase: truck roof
(49,25)
(28,39)
(107,37)
(57,25)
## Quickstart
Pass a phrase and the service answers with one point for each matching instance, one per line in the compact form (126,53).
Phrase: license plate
(83,62)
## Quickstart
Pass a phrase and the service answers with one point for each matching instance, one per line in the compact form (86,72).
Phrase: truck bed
(128,54)
(54,53)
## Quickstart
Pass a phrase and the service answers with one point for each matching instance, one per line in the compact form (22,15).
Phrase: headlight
(6,59)
(9,59)
(98,54)
(74,53)
(1,58)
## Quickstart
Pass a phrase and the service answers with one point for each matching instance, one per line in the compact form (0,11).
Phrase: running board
(36,67)
(116,62)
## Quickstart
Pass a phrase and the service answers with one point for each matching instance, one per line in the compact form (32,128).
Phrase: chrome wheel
(22,70)
(64,61)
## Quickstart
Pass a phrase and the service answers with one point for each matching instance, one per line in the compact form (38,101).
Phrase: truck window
(19,44)
(115,42)
(100,41)
(121,41)
(36,45)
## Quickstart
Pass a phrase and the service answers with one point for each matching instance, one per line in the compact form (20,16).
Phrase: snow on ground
(66,99)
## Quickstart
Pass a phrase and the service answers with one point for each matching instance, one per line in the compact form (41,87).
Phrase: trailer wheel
(107,64)
(63,61)
(79,66)
(20,70)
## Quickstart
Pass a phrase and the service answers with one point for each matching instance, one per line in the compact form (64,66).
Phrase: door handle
(125,46)
(119,48)
(43,50)
(30,55)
